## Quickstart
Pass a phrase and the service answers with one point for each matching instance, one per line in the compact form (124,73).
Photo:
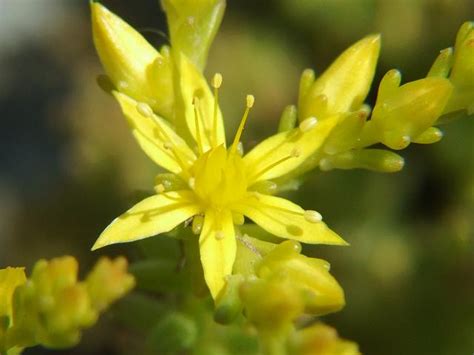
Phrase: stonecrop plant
(225,252)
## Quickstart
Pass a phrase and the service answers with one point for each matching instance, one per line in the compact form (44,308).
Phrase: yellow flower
(215,185)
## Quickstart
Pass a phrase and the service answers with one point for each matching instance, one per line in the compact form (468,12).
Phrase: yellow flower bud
(193,25)
(462,72)
(309,277)
(371,159)
(402,113)
(344,84)
(271,305)
(52,307)
(108,281)
(134,67)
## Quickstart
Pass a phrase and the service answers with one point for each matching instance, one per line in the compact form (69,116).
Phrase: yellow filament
(309,215)
(294,154)
(196,122)
(249,105)
(170,146)
(216,84)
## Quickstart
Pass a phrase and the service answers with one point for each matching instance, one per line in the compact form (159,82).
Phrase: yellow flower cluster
(51,307)
(214,187)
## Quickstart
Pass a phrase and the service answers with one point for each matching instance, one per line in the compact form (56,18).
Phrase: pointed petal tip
(374,38)
(97,245)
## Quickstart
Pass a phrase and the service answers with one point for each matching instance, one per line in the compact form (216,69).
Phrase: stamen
(169,146)
(192,182)
(160,188)
(308,124)
(198,222)
(240,149)
(122,85)
(294,154)
(219,235)
(238,218)
(312,216)
(325,164)
(216,84)
(309,215)
(144,109)
(249,104)
(196,123)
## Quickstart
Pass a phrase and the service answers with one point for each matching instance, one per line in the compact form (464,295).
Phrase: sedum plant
(224,272)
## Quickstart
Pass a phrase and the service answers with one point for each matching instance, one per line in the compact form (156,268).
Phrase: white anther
(271,187)
(405,139)
(325,165)
(220,235)
(312,216)
(250,101)
(121,85)
(198,222)
(192,182)
(144,109)
(240,149)
(308,124)
(160,188)
(217,81)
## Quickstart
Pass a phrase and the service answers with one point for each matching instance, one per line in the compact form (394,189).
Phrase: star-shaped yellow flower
(214,184)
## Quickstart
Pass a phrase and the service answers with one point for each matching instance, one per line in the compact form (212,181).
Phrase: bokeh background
(68,164)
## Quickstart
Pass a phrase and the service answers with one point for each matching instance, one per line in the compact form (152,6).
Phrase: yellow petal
(193,25)
(346,82)
(218,249)
(154,134)
(294,147)
(285,219)
(10,279)
(133,65)
(194,85)
(154,215)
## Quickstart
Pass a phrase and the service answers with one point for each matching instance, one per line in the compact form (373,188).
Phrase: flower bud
(371,159)
(52,306)
(271,305)
(134,67)
(402,113)
(345,83)
(462,72)
(108,281)
(288,119)
(345,135)
(309,277)
(193,25)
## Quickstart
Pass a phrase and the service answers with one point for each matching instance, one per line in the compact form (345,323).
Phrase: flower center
(219,177)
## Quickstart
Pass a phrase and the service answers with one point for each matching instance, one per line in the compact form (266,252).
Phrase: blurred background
(68,164)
